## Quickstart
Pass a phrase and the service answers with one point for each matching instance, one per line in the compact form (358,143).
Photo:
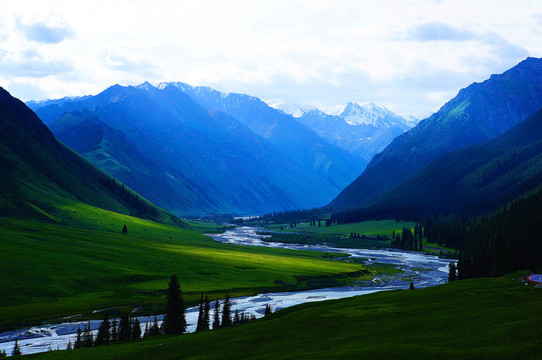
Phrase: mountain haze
(362,130)
(214,162)
(335,166)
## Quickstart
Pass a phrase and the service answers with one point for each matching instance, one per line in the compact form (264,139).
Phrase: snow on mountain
(412,120)
(296,110)
(145,86)
(371,114)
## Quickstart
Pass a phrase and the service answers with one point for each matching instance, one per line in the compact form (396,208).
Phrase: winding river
(423,270)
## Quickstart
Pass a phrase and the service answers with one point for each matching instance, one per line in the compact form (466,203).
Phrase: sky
(409,56)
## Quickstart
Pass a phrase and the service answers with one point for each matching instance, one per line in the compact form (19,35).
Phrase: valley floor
(486,318)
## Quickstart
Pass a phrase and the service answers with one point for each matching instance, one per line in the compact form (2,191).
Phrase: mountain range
(44,176)
(192,160)
(363,130)
(475,179)
(478,113)
(335,166)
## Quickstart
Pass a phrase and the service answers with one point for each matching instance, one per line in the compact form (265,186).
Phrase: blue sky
(410,56)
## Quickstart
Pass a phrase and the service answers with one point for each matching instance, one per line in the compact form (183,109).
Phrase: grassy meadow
(48,270)
(371,227)
(484,318)
(339,235)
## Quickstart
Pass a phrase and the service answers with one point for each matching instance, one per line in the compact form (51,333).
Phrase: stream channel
(423,270)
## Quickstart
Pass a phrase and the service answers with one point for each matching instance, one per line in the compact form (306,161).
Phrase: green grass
(436,248)
(487,318)
(49,270)
(206,227)
(372,227)
(320,238)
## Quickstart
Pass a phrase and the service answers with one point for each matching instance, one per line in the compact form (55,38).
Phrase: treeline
(306,215)
(408,240)
(507,241)
(132,199)
(174,322)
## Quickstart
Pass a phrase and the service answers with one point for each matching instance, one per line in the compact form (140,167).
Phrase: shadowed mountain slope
(479,112)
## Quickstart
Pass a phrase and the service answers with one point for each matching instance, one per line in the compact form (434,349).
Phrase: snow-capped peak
(370,114)
(145,86)
(296,110)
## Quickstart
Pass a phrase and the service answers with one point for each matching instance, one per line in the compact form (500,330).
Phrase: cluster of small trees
(408,240)
(16,350)
(142,207)
(127,329)
(313,222)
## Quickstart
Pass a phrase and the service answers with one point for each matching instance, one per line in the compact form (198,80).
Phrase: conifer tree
(125,330)
(199,325)
(88,340)
(69,346)
(136,329)
(124,229)
(206,313)
(174,320)
(411,286)
(226,312)
(16,349)
(79,340)
(114,331)
(104,332)
(154,329)
(452,274)
(3,354)
(236,318)
(216,320)
(267,310)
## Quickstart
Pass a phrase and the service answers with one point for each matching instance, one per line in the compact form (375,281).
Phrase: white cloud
(49,33)
(405,55)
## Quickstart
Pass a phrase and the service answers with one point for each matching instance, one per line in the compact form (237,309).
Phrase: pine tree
(16,349)
(216,320)
(452,274)
(136,329)
(125,330)
(199,325)
(124,229)
(114,331)
(104,332)
(206,313)
(88,340)
(69,346)
(79,340)
(267,310)
(146,333)
(154,329)
(236,318)
(174,320)
(226,312)
(411,286)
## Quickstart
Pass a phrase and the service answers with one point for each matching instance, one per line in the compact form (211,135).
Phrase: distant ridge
(40,175)
(192,160)
(479,112)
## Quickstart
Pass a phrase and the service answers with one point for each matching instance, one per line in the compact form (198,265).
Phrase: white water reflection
(423,270)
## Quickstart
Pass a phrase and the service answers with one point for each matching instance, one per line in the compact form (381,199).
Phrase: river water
(423,270)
